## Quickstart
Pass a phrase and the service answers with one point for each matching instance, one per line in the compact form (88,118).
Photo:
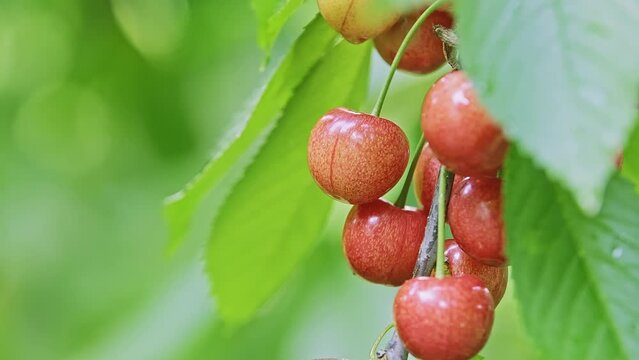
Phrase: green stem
(400,53)
(401,200)
(373,354)
(441,218)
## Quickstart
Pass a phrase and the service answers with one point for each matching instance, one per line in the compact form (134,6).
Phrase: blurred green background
(106,107)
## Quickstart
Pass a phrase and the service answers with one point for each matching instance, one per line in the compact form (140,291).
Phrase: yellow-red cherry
(358,20)
(356,157)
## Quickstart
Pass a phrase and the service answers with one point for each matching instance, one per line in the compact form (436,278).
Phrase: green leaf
(276,212)
(307,51)
(271,17)
(562,78)
(630,168)
(575,276)
(154,27)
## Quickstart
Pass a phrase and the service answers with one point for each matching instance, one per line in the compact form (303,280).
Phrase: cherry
(425,51)
(381,241)
(356,157)
(475,218)
(459,264)
(425,177)
(358,20)
(460,131)
(444,319)
(619,160)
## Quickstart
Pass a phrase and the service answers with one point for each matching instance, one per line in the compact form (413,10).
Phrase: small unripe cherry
(425,177)
(459,264)
(356,157)
(358,20)
(444,319)
(381,241)
(425,52)
(475,219)
(460,131)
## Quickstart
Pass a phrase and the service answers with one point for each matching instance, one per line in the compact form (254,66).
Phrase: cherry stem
(373,354)
(377,109)
(401,200)
(441,219)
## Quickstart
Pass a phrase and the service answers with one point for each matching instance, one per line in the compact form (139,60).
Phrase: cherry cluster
(357,158)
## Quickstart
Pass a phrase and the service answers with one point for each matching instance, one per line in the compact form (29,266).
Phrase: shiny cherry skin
(381,241)
(425,52)
(356,158)
(459,264)
(475,219)
(425,177)
(358,20)
(460,131)
(444,319)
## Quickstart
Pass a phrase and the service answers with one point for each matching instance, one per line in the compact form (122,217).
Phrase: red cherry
(619,160)
(425,178)
(459,264)
(426,175)
(356,157)
(425,51)
(381,241)
(444,319)
(475,219)
(460,131)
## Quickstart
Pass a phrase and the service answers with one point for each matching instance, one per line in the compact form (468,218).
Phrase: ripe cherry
(459,264)
(619,160)
(358,20)
(425,51)
(381,241)
(460,131)
(356,157)
(425,177)
(444,319)
(475,218)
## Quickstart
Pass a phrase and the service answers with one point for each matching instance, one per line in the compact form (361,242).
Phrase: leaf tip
(176,220)
(589,202)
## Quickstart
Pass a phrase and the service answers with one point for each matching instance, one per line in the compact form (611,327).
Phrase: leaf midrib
(591,279)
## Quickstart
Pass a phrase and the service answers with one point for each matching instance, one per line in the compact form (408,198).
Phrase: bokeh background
(106,107)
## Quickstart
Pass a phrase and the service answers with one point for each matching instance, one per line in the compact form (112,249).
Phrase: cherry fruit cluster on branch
(357,158)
